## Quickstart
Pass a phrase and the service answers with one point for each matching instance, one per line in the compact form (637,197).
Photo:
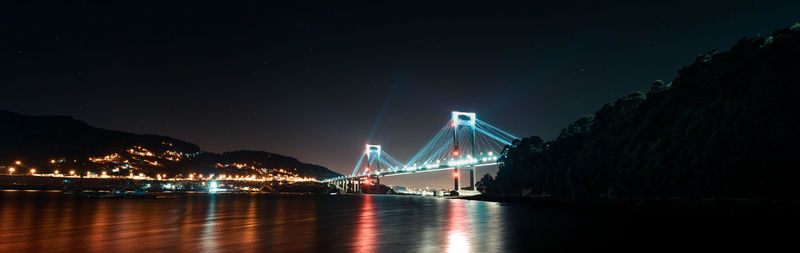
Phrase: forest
(725,127)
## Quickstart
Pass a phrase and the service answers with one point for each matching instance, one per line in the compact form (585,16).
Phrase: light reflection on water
(209,241)
(52,222)
(457,240)
(32,221)
(365,234)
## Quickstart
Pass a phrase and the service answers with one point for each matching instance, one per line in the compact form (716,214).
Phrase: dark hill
(262,159)
(44,137)
(727,126)
(39,139)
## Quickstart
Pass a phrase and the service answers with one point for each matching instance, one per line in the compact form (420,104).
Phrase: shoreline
(657,206)
(69,184)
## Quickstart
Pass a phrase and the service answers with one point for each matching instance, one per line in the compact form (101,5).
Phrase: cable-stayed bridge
(463,143)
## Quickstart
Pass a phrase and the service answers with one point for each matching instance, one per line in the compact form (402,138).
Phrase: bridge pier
(362,184)
(350,186)
(472,178)
(456,176)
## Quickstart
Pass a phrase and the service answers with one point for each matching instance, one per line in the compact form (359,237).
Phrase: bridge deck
(405,172)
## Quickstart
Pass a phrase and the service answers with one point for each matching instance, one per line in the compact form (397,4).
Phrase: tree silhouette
(726,126)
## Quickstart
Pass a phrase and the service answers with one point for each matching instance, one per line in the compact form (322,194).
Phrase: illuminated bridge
(463,143)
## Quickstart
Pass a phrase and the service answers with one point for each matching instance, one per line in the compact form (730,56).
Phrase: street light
(11,170)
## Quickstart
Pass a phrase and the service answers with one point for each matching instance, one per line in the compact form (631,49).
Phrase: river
(48,221)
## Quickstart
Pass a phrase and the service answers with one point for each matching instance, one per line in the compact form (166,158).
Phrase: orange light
(33,171)
(455,153)
(18,162)
(455,174)
(52,161)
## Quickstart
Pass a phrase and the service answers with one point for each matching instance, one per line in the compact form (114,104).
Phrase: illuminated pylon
(466,119)
(372,153)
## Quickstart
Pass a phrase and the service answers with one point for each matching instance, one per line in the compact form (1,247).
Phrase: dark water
(52,222)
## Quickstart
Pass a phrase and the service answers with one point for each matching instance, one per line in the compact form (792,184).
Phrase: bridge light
(455,174)
(213,186)
(455,153)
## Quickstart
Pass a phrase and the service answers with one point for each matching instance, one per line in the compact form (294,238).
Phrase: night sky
(318,80)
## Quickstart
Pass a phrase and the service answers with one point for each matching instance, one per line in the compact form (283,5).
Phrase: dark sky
(317,80)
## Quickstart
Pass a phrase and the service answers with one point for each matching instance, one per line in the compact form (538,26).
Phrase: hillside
(726,126)
(57,142)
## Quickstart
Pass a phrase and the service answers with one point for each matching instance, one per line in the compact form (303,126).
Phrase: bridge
(463,143)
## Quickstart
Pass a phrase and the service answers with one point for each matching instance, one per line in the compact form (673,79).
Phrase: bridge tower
(467,120)
(372,154)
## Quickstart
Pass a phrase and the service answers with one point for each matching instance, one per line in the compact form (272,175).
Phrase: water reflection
(52,222)
(209,238)
(251,225)
(366,231)
(457,240)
